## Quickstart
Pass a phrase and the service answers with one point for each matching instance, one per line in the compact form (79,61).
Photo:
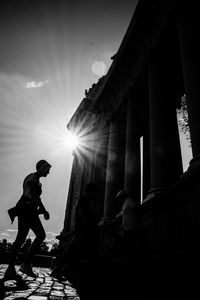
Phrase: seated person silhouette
(85,233)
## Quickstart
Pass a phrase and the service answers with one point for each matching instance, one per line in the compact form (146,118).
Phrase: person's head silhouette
(43,168)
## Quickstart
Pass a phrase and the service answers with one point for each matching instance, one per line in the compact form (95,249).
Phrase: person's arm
(42,210)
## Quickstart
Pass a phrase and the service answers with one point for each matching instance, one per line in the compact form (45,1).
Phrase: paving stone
(57,298)
(57,293)
(42,288)
(35,297)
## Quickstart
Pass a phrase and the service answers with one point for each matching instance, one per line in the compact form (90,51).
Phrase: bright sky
(51,51)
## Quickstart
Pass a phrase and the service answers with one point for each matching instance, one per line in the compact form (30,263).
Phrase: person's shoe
(27,269)
(10,274)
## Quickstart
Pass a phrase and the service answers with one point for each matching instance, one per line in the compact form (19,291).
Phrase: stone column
(165,153)
(146,162)
(65,234)
(94,156)
(132,156)
(101,152)
(189,37)
(90,150)
(69,203)
(83,172)
(112,169)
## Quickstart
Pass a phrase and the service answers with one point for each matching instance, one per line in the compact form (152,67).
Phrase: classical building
(127,125)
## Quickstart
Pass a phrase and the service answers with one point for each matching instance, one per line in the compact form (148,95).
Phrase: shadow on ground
(136,280)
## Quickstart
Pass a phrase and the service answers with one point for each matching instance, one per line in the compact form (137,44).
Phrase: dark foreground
(111,280)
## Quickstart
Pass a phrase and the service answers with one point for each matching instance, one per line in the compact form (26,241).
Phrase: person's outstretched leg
(23,230)
(37,227)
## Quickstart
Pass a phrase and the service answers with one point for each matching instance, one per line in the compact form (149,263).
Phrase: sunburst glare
(90,145)
(33,127)
(71,140)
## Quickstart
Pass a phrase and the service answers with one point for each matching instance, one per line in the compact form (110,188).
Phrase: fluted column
(73,194)
(69,204)
(165,153)
(132,156)
(91,154)
(101,152)
(112,170)
(189,36)
(146,163)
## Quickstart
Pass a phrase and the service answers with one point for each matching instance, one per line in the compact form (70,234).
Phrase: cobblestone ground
(42,288)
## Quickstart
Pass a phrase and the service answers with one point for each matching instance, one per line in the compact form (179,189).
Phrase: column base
(194,162)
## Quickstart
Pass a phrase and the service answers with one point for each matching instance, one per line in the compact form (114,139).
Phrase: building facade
(127,125)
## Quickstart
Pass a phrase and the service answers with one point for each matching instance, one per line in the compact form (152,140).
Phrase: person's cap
(42,163)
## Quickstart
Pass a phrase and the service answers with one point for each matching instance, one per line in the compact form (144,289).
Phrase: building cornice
(148,21)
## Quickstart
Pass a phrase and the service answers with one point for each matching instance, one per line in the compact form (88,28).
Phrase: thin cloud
(4,234)
(34,84)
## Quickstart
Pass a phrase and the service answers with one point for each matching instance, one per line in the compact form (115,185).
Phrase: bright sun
(72,141)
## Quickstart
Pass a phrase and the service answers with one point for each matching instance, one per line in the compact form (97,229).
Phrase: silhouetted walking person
(27,210)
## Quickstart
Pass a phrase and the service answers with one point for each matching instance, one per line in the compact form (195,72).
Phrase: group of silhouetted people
(86,225)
